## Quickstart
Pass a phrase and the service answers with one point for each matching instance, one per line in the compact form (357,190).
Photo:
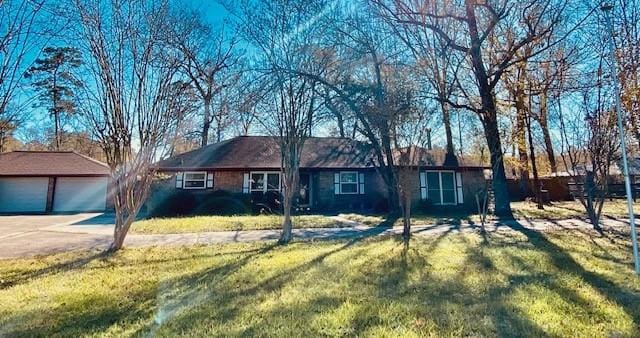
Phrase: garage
(23,194)
(80,194)
(46,181)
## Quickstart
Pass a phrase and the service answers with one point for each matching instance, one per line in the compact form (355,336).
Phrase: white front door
(80,194)
(23,194)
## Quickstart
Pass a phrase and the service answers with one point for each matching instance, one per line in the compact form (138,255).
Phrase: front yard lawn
(461,284)
(616,208)
(227,223)
(521,210)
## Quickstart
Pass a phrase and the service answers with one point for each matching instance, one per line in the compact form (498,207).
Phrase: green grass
(569,209)
(461,284)
(521,210)
(227,223)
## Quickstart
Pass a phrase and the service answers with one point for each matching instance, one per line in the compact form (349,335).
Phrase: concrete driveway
(23,235)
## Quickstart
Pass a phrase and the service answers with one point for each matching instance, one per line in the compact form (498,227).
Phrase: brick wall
(472,182)
(228,180)
(323,197)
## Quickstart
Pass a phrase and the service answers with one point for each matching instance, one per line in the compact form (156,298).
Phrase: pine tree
(54,82)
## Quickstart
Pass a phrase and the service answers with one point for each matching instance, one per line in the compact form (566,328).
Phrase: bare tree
(208,57)
(489,52)
(437,66)
(590,144)
(183,102)
(627,39)
(409,140)
(358,66)
(516,84)
(20,36)
(128,104)
(285,39)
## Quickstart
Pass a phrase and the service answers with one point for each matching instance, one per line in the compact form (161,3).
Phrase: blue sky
(211,10)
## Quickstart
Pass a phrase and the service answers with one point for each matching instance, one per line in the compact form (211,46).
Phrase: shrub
(177,204)
(381,205)
(424,206)
(224,203)
(266,203)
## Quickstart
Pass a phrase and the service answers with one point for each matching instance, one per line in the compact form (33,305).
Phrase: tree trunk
(206,123)
(534,167)
(392,182)
(340,121)
(406,218)
(488,115)
(120,233)
(500,190)
(590,188)
(521,143)
(544,124)
(287,225)
(450,158)
(56,118)
(290,151)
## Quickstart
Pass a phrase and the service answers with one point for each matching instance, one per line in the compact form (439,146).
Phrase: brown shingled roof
(262,152)
(418,156)
(50,163)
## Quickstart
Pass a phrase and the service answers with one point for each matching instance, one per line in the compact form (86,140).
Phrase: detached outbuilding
(44,181)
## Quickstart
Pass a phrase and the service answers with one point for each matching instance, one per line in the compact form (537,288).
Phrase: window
(265,181)
(349,182)
(440,187)
(195,180)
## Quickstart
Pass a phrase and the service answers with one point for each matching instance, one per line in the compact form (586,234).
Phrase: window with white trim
(441,187)
(265,181)
(194,180)
(348,182)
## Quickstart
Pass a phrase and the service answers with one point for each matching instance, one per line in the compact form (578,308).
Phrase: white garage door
(23,194)
(80,194)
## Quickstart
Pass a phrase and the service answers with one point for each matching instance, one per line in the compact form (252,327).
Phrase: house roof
(423,157)
(261,152)
(50,163)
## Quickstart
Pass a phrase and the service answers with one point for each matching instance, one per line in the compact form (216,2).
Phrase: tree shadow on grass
(75,263)
(94,313)
(561,260)
(183,301)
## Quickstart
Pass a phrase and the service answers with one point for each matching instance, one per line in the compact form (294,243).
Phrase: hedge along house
(336,174)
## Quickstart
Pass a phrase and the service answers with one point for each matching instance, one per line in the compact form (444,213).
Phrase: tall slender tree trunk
(392,182)
(340,121)
(290,170)
(534,167)
(406,214)
(123,217)
(206,123)
(56,118)
(450,157)
(489,115)
(55,110)
(287,224)
(543,120)
(499,182)
(521,142)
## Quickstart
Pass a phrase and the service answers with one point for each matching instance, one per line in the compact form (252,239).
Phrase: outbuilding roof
(50,163)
